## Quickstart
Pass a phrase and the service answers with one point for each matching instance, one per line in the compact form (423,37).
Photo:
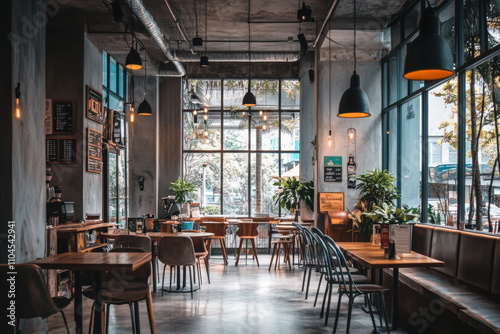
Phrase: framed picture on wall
(331,202)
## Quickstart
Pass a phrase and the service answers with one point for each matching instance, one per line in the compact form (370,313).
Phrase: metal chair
(31,293)
(176,251)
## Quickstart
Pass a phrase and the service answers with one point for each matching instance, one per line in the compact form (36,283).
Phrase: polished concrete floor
(243,299)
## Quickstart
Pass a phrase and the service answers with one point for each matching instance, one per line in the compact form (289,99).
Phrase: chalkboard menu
(62,116)
(333,169)
(94,151)
(118,127)
(51,150)
(94,105)
(61,150)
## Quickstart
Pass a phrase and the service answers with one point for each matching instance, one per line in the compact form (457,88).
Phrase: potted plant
(376,187)
(292,191)
(184,191)
(390,214)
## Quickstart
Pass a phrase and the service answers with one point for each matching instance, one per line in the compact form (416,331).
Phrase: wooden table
(98,262)
(197,237)
(372,256)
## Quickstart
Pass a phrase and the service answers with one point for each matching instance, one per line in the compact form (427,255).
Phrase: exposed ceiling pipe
(154,29)
(268,57)
(332,8)
(179,24)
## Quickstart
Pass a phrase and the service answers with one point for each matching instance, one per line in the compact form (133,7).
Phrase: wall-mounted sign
(333,169)
(94,105)
(94,151)
(62,116)
(331,202)
(118,127)
(61,150)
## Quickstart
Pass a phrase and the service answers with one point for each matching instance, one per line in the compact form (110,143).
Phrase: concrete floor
(243,299)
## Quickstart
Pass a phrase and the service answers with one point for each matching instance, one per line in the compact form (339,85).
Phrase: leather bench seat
(467,286)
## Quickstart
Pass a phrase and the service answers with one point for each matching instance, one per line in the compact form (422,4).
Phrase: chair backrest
(30,288)
(317,231)
(341,266)
(311,249)
(247,229)
(138,241)
(176,251)
(116,279)
(218,229)
(298,226)
(211,219)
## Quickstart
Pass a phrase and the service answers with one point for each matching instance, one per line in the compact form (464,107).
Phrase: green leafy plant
(391,214)
(183,190)
(291,191)
(376,187)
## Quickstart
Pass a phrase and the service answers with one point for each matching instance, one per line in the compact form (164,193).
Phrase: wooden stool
(286,253)
(247,230)
(219,231)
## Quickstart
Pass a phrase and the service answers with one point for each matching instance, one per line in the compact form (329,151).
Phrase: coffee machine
(171,207)
(59,212)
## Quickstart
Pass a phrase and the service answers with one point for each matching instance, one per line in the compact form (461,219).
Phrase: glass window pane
(265,128)
(203,169)
(411,19)
(290,131)
(447,18)
(264,171)
(112,75)
(493,19)
(290,165)
(236,130)
(113,189)
(115,103)
(267,93)
(471,30)
(395,30)
(393,141)
(393,79)
(290,94)
(199,134)
(203,93)
(121,88)
(410,153)
(104,69)
(235,184)
(234,91)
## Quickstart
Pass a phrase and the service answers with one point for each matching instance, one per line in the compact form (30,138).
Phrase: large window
(115,167)
(234,154)
(442,136)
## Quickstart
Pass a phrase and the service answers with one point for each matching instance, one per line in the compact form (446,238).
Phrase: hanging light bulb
(265,117)
(351,133)
(330,138)
(207,96)
(264,127)
(205,133)
(195,112)
(132,114)
(205,117)
(205,110)
(18,98)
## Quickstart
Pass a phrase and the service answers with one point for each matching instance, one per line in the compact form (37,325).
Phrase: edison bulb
(195,112)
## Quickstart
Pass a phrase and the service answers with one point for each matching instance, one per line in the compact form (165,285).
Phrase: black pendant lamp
(145,108)
(204,58)
(197,40)
(354,102)
(133,61)
(429,56)
(249,99)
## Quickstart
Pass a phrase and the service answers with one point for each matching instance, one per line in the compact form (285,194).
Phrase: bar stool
(277,249)
(219,231)
(247,230)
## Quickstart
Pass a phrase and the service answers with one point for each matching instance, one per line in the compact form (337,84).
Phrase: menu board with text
(333,169)
(94,151)
(62,116)
(94,105)
(331,202)
(402,236)
(61,150)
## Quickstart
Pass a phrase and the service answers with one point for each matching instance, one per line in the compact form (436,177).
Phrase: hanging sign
(94,105)
(333,169)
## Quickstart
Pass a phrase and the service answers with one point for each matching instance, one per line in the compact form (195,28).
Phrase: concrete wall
(142,151)
(368,141)
(73,62)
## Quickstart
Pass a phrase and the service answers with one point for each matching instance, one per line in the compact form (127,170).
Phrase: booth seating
(461,297)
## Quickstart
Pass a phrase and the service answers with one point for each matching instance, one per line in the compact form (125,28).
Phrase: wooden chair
(126,287)
(286,243)
(33,298)
(247,230)
(176,251)
(219,231)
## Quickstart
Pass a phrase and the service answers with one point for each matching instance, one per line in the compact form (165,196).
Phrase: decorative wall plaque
(94,105)
(333,169)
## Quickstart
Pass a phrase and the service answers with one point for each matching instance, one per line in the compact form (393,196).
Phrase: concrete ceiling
(273,28)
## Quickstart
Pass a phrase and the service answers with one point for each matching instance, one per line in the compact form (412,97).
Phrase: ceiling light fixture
(429,56)
(249,99)
(117,11)
(145,108)
(204,58)
(304,14)
(197,40)
(18,100)
(330,85)
(304,47)
(133,61)
(354,102)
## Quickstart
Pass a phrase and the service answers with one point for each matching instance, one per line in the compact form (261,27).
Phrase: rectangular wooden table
(97,262)
(197,237)
(372,256)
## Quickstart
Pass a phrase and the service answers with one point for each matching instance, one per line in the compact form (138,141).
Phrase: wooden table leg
(395,299)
